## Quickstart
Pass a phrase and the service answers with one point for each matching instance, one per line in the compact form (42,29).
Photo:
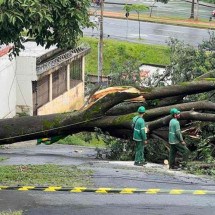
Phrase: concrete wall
(70,100)
(7,87)
(25,73)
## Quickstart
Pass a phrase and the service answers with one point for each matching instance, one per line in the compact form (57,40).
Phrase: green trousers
(139,153)
(174,148)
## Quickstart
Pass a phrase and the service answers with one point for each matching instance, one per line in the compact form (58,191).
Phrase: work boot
(140,163)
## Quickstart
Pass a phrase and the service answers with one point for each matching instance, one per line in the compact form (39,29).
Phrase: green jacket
(175,135)
(139,133)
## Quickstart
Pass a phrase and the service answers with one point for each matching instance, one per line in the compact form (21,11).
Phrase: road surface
(106,174)
(151,33)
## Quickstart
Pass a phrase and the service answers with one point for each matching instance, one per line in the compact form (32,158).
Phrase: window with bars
(75,72)
(59,82)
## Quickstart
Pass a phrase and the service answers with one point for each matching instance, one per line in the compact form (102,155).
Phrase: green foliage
(83,139)
(125,74)
(200,168)
(116,55)
(138,8)
(156,151)
(50,22)
(44,175)
(204,151)
(11,212)
(2,159)
(187,62)
(118,149)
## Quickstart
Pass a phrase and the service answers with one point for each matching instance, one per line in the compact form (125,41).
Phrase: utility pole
(100,43)
(197,10)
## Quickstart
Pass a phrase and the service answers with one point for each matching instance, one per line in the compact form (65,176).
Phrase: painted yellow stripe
(128,190)
(78,189)
(52,189)
(199,192)
(3,187)
(26,188)
(152,191)
(103,190)
(176,192)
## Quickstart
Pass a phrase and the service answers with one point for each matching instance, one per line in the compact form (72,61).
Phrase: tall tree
(112,110)
(192,9)
(49,22)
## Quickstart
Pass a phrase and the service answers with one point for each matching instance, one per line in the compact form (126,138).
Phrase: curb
(105,190)
(188,1)
(113,15)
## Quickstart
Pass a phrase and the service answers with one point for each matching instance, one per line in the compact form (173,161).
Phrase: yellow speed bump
(128,190)
(103,190)
(3,187)
(26,188)
(108,190)
(152,191)
(52,189)
(176,192)
(78,189)
(199,192)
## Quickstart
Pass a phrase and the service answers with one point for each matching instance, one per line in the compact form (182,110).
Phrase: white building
(42,81)
(149,74)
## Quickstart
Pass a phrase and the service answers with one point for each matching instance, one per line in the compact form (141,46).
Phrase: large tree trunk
(107,111)
(192,9)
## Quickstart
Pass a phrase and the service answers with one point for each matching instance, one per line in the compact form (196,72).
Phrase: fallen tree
(112,109)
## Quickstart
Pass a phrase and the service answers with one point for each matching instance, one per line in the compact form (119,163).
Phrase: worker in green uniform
(139,136)
(176,140)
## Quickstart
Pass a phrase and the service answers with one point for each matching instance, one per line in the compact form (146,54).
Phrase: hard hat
(174,111)
(141,109)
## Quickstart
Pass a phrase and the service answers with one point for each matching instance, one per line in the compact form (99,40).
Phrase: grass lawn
(44,175)
(121,51)
(11,213)
(82,139)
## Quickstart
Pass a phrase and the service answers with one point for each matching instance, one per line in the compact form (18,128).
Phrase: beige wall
(70,100)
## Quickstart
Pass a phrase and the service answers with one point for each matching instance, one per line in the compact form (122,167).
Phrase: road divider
(107,190)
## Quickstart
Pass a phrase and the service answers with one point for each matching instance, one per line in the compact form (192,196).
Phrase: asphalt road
(107,174)
(174,8)
(151,33)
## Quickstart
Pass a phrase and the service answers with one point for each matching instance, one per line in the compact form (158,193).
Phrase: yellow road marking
(176,192)
(3,187)
(26,188)
(103,190)
(199,192)
(52,189)
(128,190)
(78,189)
(152,191)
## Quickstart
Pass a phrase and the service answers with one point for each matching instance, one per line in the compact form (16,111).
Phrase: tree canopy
(49,22)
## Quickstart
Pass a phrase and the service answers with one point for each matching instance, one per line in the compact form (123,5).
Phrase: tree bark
(95,114)
(192,9)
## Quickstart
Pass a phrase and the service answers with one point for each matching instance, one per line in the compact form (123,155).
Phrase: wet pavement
(112,174)
(106,173)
